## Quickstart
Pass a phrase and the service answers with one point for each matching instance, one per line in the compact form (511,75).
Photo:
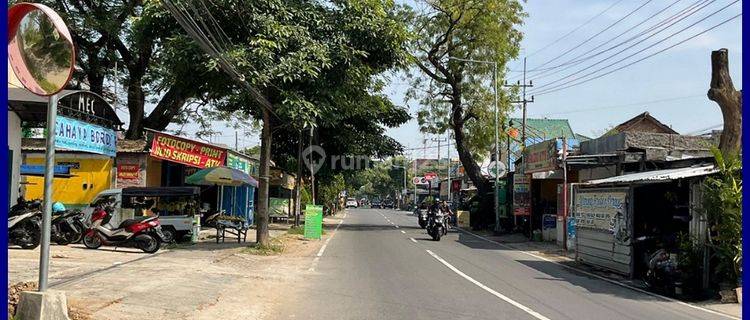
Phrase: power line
(577,59)
(568,84)
(592,37)
(626,105)
(575,29)
(673,22)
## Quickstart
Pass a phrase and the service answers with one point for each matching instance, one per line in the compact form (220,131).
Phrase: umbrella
(221,176)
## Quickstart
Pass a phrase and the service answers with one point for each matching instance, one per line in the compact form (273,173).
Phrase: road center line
(412,240)
(488,289)
(402,231)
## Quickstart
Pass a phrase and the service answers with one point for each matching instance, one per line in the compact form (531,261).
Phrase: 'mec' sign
(77,135)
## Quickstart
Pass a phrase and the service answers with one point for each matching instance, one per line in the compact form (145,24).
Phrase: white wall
(14,143)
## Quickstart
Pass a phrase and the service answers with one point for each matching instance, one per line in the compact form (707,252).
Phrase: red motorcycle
(143,232)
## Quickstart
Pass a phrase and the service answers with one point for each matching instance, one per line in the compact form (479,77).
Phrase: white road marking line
(488,289)
(396,226)
(325,245)
(603,278)
(412,240)
(402,231)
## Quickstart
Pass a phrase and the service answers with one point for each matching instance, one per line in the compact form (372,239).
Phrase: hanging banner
(187,152)
(72,134)
(600,210)
(128,171)
(521,195)
(242,164)
(540,157)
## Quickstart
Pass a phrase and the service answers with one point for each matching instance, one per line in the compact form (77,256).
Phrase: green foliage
(722,203)
(452,91)
(329,192)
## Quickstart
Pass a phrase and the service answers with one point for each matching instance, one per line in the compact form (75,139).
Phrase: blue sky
(680,75)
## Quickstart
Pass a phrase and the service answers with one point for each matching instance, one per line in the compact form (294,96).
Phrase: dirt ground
(201,281)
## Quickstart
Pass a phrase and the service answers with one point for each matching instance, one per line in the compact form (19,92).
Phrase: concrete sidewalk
(552,252)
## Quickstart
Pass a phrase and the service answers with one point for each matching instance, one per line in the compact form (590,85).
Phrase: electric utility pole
(438,140)
(523,100)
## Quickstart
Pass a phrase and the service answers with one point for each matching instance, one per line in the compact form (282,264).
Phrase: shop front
(621,221)
(281,195)
(240,201)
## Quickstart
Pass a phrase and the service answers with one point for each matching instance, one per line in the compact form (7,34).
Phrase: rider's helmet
(58,207)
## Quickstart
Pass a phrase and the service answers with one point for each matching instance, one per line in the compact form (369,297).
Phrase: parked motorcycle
(142,232)
(436,224)
(24,228)
(67,225)
(663,275)
(22,206)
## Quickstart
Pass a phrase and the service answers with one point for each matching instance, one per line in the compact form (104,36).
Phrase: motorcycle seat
(129,222)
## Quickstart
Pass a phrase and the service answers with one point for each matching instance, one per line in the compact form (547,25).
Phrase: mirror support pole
(49,174)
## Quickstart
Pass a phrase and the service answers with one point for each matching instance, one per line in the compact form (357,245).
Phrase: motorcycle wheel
(149,244)
(92,241)
(34,235)
(436,235)
(78,236)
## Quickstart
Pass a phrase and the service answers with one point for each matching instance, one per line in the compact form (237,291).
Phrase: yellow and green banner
(313,221)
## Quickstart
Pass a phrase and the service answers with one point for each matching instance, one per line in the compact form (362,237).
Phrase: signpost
(313,221)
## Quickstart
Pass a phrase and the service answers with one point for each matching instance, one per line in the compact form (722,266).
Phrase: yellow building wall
(153,172)
(94,175)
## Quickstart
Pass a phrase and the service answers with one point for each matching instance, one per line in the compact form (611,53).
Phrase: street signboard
(419,180)
(430,176)
(494,165)
(72,134)
(187,152)
(313,221)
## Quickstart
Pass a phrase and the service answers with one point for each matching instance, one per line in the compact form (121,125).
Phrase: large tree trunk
(265,159)
(470,165)
(167,108)
(298,185)
(722,92)
(135,109)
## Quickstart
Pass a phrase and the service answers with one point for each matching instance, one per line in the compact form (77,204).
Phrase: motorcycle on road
(421,213)
(142,232)
(436,227)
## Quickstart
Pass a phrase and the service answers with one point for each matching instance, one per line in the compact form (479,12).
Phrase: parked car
(376,204)
(352,203)
(388,203)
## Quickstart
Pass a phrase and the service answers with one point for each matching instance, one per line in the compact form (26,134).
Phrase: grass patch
(297,230)
(275,247)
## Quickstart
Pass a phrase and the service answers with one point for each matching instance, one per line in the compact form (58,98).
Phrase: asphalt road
(380,265)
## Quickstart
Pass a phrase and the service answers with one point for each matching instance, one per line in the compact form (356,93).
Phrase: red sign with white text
(187,152)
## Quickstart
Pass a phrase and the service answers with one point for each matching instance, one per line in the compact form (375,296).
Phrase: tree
(454,94)
(153,60)
(722,92)
(303,64)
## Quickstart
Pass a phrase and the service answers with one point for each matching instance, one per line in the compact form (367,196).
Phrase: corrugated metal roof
(658,175)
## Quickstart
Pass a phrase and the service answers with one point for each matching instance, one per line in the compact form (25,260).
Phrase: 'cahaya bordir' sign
(72,134)
(187,152)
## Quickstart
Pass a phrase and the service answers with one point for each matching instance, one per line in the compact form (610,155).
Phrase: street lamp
(497,126)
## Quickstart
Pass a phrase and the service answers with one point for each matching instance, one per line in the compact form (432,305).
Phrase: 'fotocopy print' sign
(72,134)
(187,152)
(599,210)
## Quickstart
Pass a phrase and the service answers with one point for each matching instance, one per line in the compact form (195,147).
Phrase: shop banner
(187,152)
(540,157)
(72,134)
(128,171)
(521,195)
(242,164)
(600,210)
(313,221)
(278,207)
